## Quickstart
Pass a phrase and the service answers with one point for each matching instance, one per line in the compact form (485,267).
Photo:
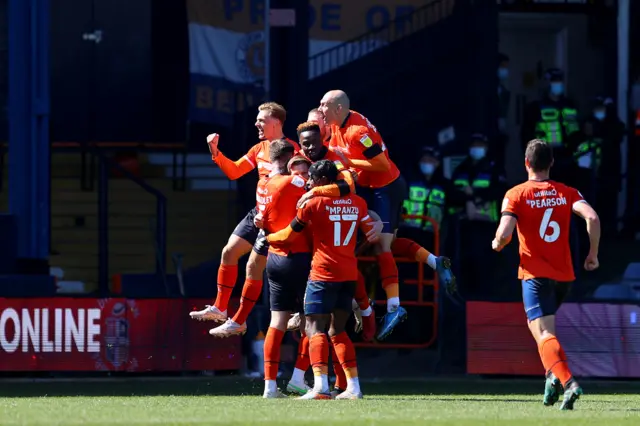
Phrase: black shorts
(248,231)
(323,297)
(387,202)
(287,277)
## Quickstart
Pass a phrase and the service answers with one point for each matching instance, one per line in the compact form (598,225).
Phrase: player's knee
(234,249)
(279,320)
(384,245)
(335,329)
(255,266)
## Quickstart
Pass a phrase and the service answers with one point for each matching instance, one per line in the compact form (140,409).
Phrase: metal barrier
(420,281)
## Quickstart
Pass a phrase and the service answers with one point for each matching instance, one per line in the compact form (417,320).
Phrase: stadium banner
(600,340)
(227,49)
(88,334)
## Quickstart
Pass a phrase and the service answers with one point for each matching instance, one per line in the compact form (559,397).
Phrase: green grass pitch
(231,401)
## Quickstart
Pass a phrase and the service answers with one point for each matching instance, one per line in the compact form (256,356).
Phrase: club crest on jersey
(298,181)
(339,164)
(366,141)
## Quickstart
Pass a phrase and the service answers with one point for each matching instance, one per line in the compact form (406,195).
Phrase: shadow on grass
(238,385)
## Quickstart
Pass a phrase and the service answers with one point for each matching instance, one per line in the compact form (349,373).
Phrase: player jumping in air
(269,122)
(360,147)
(541,209)
(379,183)
(331,286)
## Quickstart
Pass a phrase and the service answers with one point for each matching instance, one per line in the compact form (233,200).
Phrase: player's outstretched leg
(250,294)
(366,311)
(227,276)
(297,383)
(389,276)
(404,247)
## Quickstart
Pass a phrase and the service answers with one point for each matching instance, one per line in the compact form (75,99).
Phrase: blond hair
(275,110)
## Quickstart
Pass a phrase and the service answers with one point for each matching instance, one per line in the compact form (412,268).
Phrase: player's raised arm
(508,221)
(375,160)
(585,211)
(232,169)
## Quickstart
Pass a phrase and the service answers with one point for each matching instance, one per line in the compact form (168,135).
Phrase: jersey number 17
(341,222)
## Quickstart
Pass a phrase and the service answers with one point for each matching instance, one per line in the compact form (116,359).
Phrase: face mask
(557,88)
(503,73)
(477,152)
(427,168)
(599,115)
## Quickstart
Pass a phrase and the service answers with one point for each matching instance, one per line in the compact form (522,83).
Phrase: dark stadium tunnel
(239,386)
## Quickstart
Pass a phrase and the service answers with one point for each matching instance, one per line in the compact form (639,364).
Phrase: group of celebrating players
(306,229)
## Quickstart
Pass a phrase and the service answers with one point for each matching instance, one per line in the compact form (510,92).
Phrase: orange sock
(302,361)
(389,275)
(341,377)
(319,355)
(554,359)
(272,344)
(404,247)
(346,353)
(250,294)
(227,277)
(361,295)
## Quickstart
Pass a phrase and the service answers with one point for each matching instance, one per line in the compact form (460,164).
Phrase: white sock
(353,385)
(367,312)
(270,386)
(431,261)
(321,383)
(392,304)
(297,377)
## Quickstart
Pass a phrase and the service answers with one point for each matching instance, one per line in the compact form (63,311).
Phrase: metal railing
(400,27)
(106,164)
(420,301)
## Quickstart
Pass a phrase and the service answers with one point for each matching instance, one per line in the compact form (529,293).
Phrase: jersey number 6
(547,223)
(337,232)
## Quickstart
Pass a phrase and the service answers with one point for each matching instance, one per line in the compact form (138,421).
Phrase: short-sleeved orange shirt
(543,210)
(281,194)
(258,156)
(334,223)
(359,139)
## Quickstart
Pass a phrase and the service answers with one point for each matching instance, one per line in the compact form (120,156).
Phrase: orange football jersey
(359,139)
(334,224)
(281,194)
(258,156)
(543,210)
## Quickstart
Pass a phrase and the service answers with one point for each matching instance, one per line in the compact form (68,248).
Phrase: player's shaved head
(538,156)
(338,97)
(334,106)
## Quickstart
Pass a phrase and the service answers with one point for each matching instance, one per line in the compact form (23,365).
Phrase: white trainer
(314,394)
(210,313)
(349,395)
(299,388)
(294,322)
(229,328)
(272,395)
